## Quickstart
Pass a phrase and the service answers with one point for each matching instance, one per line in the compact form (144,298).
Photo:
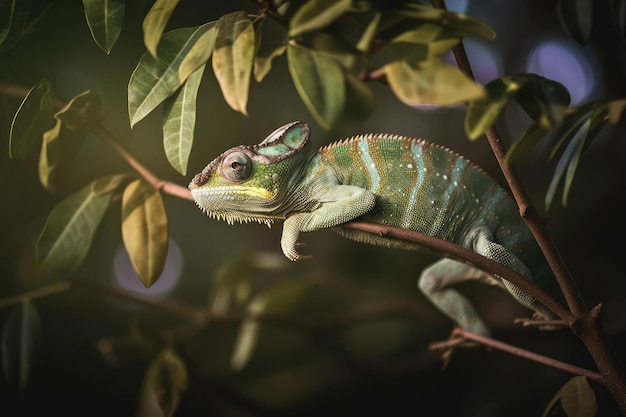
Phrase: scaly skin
(383,179)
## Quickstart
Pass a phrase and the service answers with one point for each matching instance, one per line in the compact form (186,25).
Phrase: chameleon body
(385,179)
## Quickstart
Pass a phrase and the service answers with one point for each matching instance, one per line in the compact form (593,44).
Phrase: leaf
(616,110)
(199,53)
(570,156)
(574,118)
(576,17)
(31,120)
(526,142)
(233,58)
(247,337)
(453,24)
(320,82)
(163,384)
(144,230)
(482,113)
(360,101)
(179,120)
(432,82)
(233,281)
(369,33)
(316,14)
(544,100)
(61,143)
(154,23)
(69,230)
(107,185)
(576,398)
(21,335)
(153,80)
(105,19)
(271,39)
(13,21)
(278,300)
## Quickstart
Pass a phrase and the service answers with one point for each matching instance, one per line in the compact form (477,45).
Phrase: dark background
(86,363)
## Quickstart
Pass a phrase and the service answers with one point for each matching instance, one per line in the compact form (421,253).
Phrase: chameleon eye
(236,167)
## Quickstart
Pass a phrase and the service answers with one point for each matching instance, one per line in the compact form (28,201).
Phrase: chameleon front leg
(338,204)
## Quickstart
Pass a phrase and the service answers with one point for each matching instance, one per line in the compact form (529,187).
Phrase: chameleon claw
(294,255)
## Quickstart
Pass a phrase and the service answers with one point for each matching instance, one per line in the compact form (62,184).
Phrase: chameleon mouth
(230,192)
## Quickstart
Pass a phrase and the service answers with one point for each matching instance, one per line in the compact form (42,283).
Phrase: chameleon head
(246,183)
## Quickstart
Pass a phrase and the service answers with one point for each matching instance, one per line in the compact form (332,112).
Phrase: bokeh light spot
(127,277)
(564,61)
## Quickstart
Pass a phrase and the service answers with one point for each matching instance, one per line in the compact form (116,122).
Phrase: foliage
(334,52)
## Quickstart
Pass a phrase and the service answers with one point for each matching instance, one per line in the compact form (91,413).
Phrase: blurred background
(96,346)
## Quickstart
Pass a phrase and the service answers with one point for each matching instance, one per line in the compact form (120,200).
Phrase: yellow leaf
(144,230)
(233,58)
(154,23)
(431,82)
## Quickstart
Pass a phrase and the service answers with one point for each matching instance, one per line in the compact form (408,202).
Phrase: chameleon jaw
(230,192)
(214,203)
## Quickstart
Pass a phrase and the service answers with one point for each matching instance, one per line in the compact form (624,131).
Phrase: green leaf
(104,18)
(144,230)
(316,14)
(199,53)
(271,39)
(335,48)
(154,24)
(233,281)
(360,101)
(163,385)
(482,113)
(544,100)
(233,58)
(154,80)
(61,143)
(109,184)
(13,21)
(576,17)
(69,230)
(573,120)
(21,335)
(248,336)
(432,82)
(567,164)
(278,300)
(526,142)
(576,398)
(369,33)
(319,81)
(453,24)
(31,120)
(179,120)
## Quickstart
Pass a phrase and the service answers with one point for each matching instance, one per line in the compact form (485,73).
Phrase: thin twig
(46,291)
(464,335)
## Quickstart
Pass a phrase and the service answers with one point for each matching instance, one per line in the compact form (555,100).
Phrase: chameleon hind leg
(484,245)
(437,281)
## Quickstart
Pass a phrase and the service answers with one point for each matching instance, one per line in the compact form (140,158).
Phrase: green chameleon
(384,179)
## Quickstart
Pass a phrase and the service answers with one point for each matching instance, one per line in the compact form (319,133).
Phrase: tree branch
(587,324)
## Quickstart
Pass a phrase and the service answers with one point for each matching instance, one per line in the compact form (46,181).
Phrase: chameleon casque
(384,179)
